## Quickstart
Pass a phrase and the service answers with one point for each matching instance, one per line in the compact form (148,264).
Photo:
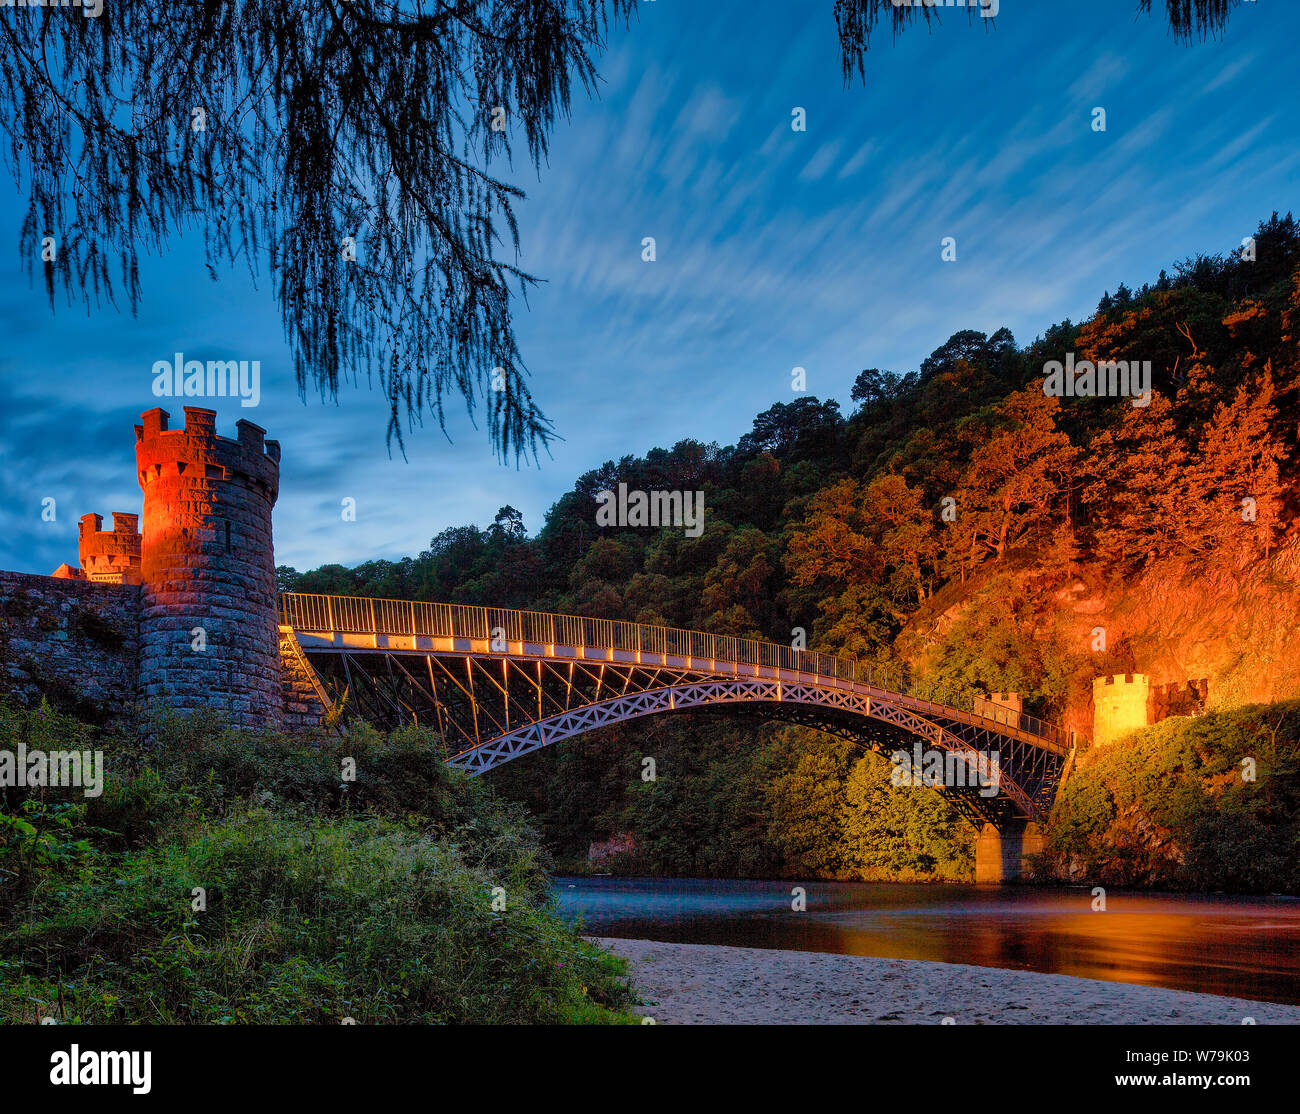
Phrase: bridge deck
(340,624)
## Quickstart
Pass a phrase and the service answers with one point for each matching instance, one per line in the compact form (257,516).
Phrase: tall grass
(227,876)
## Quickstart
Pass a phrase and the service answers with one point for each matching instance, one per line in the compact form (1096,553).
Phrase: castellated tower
(207,562)
(1119,706)
(110,556)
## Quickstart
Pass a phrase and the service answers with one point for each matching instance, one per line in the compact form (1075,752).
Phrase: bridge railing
(363,615)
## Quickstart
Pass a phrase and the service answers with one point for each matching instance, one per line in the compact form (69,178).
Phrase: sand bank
(708,984)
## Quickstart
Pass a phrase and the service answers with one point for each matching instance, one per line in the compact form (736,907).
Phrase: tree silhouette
(293,136)
(857,19)
(341,144)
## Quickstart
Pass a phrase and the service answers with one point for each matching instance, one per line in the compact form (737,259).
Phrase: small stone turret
(208,632)
(1001,707)
(110,556)
(1129,701)
(1119,705)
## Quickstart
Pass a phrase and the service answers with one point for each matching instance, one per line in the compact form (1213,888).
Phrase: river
(1243,946)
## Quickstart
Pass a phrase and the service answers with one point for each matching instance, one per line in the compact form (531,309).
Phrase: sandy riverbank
(708,984)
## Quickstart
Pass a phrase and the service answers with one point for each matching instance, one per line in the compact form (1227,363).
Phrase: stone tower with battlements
(110,556)
(1129,701)
(1002,707)
(1119,705)
(208,625)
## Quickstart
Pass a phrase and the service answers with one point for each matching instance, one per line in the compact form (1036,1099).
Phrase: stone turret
(208,631)
(1129,701)
(1119,705)
(110,556)
(1001,707)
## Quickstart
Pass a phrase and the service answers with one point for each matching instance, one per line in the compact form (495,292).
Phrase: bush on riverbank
(804,804)
(227,876)
(1166,808)
(1173,806)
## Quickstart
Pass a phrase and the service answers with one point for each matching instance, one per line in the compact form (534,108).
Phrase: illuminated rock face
(208,627)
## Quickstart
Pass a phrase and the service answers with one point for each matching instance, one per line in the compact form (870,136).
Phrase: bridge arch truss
(491,706)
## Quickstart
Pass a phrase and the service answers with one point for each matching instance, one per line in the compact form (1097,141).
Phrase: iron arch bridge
(498,684)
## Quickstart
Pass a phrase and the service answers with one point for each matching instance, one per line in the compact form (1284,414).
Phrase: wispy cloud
(775,248)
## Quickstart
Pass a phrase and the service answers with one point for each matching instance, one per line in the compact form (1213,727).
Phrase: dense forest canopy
(959,472)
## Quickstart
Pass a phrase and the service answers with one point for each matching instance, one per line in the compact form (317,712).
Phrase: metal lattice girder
(347,623)
(491,707)
(770,699)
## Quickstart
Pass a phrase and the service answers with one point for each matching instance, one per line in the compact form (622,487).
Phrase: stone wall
(1001,707)
(183,613)
(1129,702)
(71,641)
(305,701)
(1178,698)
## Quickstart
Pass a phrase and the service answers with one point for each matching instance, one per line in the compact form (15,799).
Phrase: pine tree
(1237,474)
(1137,489)
(1017,476)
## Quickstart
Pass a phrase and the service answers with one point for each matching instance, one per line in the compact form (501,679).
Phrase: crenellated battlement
(110,556)
(1127,702)
(203,558)
(208,566)
(248,460)
(1119,706)
(1001,707)
(1131,680)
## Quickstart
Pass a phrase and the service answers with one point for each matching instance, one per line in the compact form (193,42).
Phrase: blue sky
(776,249)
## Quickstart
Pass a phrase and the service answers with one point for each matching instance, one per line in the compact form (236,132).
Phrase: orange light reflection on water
(1246,947)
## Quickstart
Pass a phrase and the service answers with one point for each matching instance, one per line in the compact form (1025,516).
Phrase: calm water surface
(1247,947)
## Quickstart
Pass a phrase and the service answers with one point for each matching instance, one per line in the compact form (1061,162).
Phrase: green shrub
(227,876)
(1172,806)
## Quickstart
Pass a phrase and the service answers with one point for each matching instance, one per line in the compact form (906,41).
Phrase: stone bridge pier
(1003,855)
